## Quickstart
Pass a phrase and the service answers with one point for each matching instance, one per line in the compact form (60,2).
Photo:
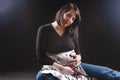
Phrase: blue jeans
(42,76)
(101,72)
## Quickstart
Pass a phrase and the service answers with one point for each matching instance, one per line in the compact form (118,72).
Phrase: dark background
(20,19)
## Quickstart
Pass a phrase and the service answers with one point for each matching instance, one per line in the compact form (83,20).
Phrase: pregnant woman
(57,50)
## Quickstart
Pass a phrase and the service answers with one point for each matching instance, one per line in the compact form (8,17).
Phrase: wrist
(59,66)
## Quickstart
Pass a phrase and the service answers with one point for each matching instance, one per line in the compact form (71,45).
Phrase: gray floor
(18,76)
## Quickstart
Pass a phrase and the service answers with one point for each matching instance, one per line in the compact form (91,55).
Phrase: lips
(66,23)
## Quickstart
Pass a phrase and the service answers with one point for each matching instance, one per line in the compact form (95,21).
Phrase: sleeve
(76,41)
(42,58)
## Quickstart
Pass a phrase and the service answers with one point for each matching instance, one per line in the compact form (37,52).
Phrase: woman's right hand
(65,69)
(68,70)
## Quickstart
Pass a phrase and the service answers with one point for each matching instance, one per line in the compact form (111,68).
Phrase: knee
(39,76)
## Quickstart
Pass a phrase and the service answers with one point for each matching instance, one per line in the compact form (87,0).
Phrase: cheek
(65,20)
(65,17)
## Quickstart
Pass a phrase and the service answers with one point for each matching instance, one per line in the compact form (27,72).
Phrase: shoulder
(44,27)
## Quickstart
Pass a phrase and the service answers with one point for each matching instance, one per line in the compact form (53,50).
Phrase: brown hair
(66,8)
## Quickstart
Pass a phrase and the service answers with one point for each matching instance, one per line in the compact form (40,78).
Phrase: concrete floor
(18,76)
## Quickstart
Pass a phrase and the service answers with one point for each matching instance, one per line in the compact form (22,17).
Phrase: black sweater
(48,40)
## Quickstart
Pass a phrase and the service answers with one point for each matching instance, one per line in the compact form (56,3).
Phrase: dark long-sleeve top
(48,40)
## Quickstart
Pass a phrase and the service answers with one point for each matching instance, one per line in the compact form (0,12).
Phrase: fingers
(72,64)
(73,60)
(68,70)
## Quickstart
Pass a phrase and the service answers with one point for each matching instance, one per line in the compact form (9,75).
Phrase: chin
(67,25)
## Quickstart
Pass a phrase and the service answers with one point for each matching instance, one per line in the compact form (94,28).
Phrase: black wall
(99,31)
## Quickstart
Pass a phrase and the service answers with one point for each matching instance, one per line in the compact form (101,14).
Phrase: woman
(57,50)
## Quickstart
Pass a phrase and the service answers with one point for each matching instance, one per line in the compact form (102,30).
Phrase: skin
(68,19)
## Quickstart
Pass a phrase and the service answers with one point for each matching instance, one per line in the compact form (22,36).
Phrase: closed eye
(70,15)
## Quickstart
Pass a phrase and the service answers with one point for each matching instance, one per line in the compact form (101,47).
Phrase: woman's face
(69,17)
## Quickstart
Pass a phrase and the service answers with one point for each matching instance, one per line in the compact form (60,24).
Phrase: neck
(57,26)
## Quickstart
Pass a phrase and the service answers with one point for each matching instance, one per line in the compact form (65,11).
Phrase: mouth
(67,23)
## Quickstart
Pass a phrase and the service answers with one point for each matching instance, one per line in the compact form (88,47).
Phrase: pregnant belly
(63,58)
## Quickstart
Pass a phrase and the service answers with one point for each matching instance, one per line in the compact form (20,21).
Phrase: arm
(77,58)
(65,69)
(42,58)
(76,41)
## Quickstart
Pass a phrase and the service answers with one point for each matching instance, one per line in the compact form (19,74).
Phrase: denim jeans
(42,76)
(101,72)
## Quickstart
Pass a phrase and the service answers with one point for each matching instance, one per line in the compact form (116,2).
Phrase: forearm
(59,66)
(65,69)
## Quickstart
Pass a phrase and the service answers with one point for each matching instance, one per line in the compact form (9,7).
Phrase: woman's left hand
(75,59)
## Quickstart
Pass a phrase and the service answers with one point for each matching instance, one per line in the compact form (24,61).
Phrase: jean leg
(101,72)
(42,76)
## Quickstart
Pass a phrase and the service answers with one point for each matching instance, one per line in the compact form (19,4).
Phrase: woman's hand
(75,59)
(65,69)
(68,70)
